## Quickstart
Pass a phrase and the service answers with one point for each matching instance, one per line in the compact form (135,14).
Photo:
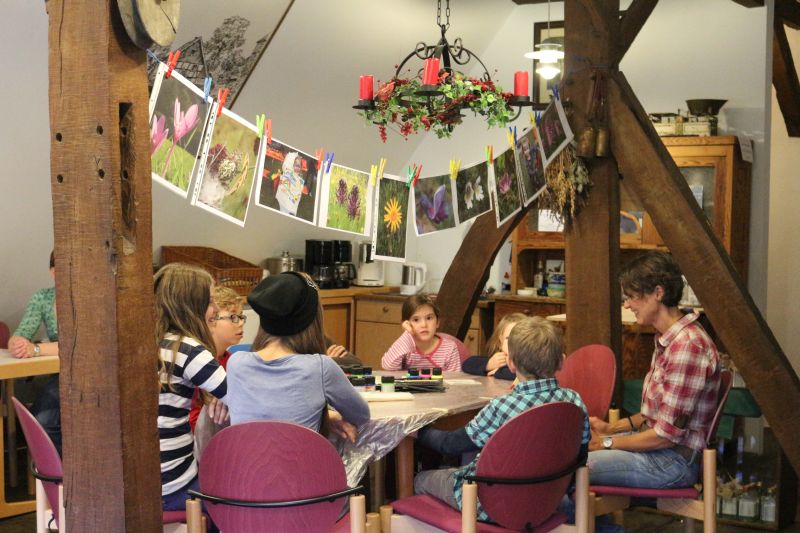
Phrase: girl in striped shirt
(183,309)
(419,345)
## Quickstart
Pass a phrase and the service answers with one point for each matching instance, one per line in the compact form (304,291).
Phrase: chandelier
(433,98)
(548,53)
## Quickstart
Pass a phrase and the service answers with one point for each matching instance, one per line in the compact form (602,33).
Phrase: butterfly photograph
(433,204)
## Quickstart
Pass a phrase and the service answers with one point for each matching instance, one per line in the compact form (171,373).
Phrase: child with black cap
(288,376)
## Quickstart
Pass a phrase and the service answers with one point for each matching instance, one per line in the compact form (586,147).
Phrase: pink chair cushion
(438,514)
(343,525)
(591,372)
(687,492)
(463,351)
(173,517)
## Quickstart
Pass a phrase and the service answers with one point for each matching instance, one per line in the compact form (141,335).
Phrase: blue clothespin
(515,135)
(206,88)
(555,92)
(328,161)
(538,118)
(153,56)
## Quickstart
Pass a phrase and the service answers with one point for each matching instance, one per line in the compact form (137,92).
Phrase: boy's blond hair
(535,347)
(226,298)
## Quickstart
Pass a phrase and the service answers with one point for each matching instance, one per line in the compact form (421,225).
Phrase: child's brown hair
(535,347)
(226,298)
(495,342)
(416,301)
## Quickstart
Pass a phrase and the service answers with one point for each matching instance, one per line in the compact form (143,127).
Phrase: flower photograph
(345,200)
(433,204)
(392,215)
(472,191)
(530,170)
(229,169)
(554,131)
(177,123)
(289,182)
(506,187)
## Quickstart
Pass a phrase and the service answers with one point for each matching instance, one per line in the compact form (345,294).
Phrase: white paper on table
(387,396)
(461,382)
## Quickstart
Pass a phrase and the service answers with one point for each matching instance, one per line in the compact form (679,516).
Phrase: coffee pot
(414,278)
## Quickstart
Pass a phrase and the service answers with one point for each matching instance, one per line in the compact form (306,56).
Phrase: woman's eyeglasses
(235,319)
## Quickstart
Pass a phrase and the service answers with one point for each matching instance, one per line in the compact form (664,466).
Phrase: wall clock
(150,22)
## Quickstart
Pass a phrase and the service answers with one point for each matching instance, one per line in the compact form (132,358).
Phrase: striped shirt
(194,367)
(404,354)
(679,396)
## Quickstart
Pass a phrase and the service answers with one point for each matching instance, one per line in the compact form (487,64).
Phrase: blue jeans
(655,469)
(47,410)
(177,500)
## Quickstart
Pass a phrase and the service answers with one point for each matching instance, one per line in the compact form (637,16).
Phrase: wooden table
(391,423)
(11,368)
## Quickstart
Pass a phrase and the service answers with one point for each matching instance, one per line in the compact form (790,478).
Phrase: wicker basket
(227,271)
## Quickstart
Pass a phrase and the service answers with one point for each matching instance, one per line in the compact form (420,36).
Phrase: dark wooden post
(100,170)
(592,241)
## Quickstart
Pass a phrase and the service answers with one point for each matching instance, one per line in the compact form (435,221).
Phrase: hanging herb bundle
(567,186)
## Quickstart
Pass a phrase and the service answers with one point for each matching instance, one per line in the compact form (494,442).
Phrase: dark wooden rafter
(631,24)
(101,190)
(750,3)
(788,11)
(785,80)
(653,176)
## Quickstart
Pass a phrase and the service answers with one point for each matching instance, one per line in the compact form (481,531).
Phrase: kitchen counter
(394,295)
(508,297)
(355,291)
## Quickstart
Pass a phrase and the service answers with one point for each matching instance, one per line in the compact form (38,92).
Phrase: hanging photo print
(289,183)
(232,159)
(530,170)
(554,131)
(472,192)
(433,204)
(390,218)
(345,200)
(178,117)
(506,187)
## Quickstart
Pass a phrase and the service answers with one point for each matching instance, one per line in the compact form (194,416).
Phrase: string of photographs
(210,155)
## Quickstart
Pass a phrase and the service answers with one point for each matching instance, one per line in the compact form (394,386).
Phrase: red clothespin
(319,153)
(268,128)
(222,96)
(416,176)
(172,60)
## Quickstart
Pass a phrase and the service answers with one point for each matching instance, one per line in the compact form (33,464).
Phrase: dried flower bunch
(567,186)
(460,92)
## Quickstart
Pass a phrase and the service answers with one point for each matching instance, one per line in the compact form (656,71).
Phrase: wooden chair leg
(469,508)
(377,484)
(688,525)
(194,517)
(203,523)
(41,508)
(386,518)
(373,523)
(709,491)
(358,514)
(582,506)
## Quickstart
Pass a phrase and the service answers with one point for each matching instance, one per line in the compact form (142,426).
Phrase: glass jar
(748,506)
(769,508)
(729,507)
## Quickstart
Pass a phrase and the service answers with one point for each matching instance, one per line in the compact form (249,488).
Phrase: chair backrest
(5,334)
(463,351)
(725,384)
(239,348)
(541,441)
(591,372)
(268,461)
(43,453)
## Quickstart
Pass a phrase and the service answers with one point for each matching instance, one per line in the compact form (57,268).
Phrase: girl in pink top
(419,345)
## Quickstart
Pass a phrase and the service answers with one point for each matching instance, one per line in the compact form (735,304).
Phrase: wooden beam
(631,24)
(467,274)
(784,78)
(592,240)
(665,195)
(788,12)
(750,3)
(101,190)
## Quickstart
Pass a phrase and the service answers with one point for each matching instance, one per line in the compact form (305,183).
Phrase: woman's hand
(596,442)
(20,347)
(217,411)
(336,351)
(599,426)
(341,427)
(496,362)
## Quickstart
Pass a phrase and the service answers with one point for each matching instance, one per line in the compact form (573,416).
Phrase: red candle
(366,88)
(431,73)
(521,83)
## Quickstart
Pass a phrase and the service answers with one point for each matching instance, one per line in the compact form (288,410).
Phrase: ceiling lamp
(548,53)
(433,97)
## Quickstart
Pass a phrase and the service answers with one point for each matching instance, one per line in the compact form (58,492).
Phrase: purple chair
(463,351)
(522,474)
(5,334)
(681,501)
(591,372)
(273,473)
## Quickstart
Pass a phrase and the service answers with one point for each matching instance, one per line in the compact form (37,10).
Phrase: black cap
(286,303)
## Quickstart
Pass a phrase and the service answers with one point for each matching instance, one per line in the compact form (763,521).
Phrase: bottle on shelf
(540,279)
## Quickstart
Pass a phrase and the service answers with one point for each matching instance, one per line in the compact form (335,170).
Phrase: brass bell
(586,142)
(601,146)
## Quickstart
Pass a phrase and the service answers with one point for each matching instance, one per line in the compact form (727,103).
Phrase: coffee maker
(370,271)
(344,271)
(319,262)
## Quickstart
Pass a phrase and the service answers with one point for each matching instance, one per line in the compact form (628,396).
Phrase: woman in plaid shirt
(660,446)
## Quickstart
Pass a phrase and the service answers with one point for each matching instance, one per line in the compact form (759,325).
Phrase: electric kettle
(414,277)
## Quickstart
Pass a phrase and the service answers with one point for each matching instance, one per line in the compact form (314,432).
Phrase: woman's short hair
(535,347)
(646,272)
(416,301)
(52,259)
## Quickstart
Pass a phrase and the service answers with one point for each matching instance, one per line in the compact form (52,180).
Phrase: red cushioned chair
(523,473)
(463,351)
(275,476)
(682,501)
(5,334)
(591,372)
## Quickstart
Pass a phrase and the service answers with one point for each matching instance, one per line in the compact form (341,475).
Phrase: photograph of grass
(472,192)
(345,201)
(232,160)
(391,216)
(433,205)
(289,183)
(506,187)
(178,116)
(554,131)
(530,170)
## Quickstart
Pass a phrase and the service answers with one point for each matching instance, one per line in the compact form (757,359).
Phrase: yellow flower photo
(393,217)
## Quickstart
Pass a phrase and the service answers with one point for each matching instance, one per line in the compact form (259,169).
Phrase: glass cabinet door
(706,179)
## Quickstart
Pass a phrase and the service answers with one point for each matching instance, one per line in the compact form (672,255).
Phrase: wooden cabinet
(377,326)
(339,313)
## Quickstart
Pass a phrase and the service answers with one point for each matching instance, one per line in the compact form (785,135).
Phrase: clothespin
(410,174)
(318,154)
(532,116)
(416,175)
(510,137)
(555,92)
(328,161)
(171,62)
(268,128)
(260,124)
(538,118)
(455,166)
(515,135)
(381,168)
(373,174)
(490,154)
(206,88)
(222,96)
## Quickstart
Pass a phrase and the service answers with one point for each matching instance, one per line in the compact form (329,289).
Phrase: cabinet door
(373,339)
(706,177)
(472,342)
(338,320)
